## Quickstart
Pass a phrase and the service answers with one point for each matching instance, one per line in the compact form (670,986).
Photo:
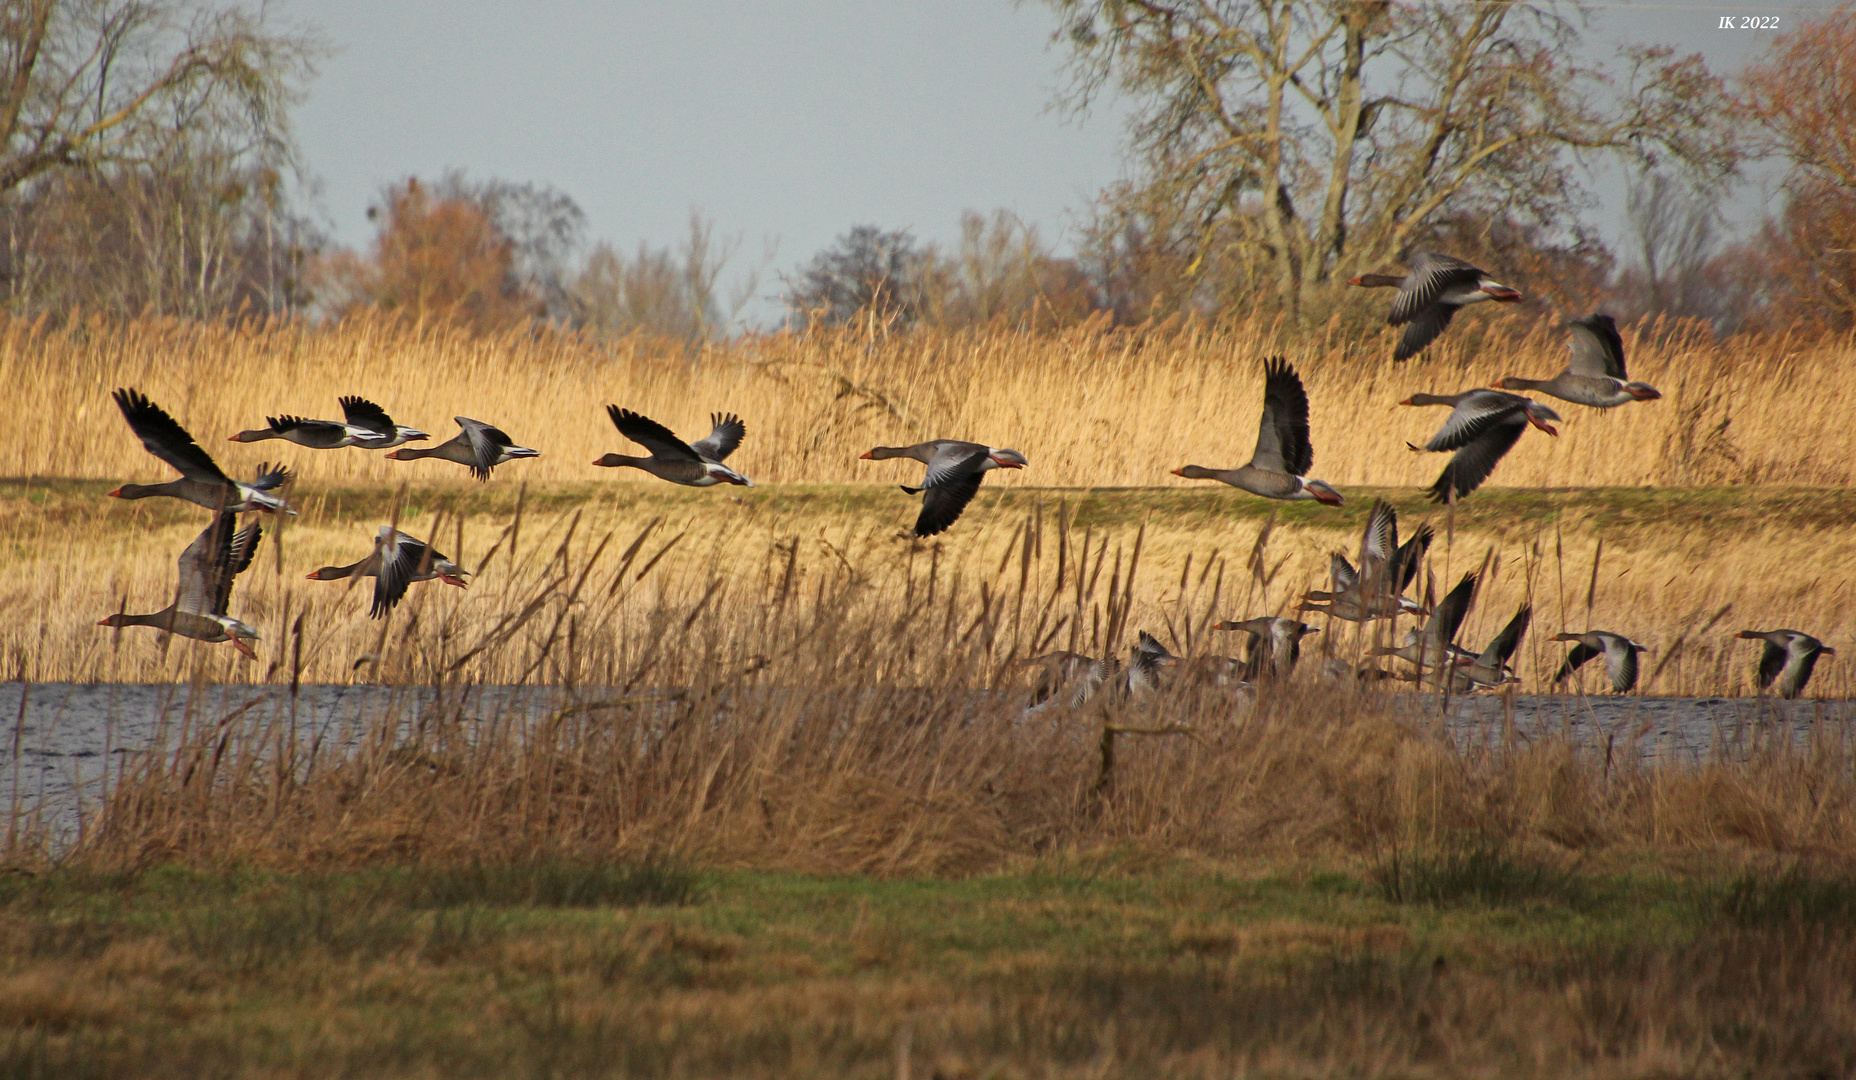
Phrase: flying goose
(1145,659)
(697,464)
(363,413)
(477,445)
(1275,645)
(1620,655)
(1083,676)
(1483,426)
(1283,452)
(1789,657)
(201,480)
(1490,667)
(1434,645)
(315,434)
(1595,375)
(955,470)
(1387,568)
(396,562)
(1429,296)
(207,568)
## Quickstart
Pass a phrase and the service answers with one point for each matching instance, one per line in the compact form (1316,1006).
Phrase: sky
(785,121)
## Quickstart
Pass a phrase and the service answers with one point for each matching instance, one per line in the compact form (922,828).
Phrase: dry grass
(1089,408)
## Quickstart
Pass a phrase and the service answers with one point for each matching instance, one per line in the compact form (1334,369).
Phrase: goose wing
(1378,540)
(1495,657)
(1471,465)
(270,477)
(1441,630)
(363,413)
(163,437)
(1475,412)
(952,461)
(1410,556)
(1342,573)
(651,435)
(323,434)
(1431,275)
(943,503)
(1576,659)
(1771,662)
(1621,662)
(722,438)
(211,561)
(1803,659)
(486,444)
(1597,348)
(402,557)
(1282,434)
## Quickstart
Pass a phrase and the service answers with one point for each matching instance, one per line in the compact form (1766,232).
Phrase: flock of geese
(1483,425)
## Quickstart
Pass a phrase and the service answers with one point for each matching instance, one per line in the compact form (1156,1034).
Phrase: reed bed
(1090,407)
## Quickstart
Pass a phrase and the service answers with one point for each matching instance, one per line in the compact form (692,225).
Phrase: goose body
(1283,453)
(397,561)
(1067,678)
(1490,668)
(315,434)
(697,464)
(477,445)
(208,566)
(1595,375)
(1145,660)
(201,480)
(1482,427)
(1620,655)
(1429,296)
(955,469)
(1789,657)
(1275,645)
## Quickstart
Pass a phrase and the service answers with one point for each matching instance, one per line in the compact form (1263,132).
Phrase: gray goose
(1789,657)
(697,464)
(201,480)
(1434,645)
(1490,667)
(1145,659)
(1620,655)
(478,446)
(397,561)
(1595,375)
(314,434)
(1083,676)
(1483,426)
(955,470)
(1275,645)
(1387,568)
(1283,452)
(207,568)
(1429,296)
(363,413)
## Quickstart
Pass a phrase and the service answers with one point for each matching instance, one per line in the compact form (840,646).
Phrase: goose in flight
(1387,568)
(697,464)
(1482,427)
(314,434)
(1275,645)
(1789,657)
(207,567)
(397,561)
(201,480)
(1490,668)
(955,470)
(477,446)
(1429,296)
(1434,645)
(1283,454)
(1595,374)
(1620,655)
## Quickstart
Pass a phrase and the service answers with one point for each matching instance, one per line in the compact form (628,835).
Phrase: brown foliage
(437,260)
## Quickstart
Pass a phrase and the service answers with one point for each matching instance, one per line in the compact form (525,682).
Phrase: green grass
(1072,968)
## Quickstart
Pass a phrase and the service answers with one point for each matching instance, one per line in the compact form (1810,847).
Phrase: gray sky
(787,121)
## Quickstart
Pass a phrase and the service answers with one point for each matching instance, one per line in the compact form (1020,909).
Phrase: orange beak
(868,454)
(1181,471)
(117,494)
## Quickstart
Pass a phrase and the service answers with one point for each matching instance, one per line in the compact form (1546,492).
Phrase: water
(68,734)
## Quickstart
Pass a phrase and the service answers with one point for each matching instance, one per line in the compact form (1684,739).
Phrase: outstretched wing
(1471,465)
(1597,348)
(1771,662)
(211,561)
(943,503)
(722,438)
(1576,659)
(401,559)
(1342,573)
(1410,555)
(1475,413)
(1621,662)
(486,444)
(1804,661)
(1448,617)
(363,413)
(1430,275)
(1282,435)
(651,435)
(1495,657)
(952,461)
(270,477)
(163,437)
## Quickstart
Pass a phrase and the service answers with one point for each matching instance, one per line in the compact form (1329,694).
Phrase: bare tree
(1291,142)
(91,83)
(867,270)
(1674,232)
(670,293)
